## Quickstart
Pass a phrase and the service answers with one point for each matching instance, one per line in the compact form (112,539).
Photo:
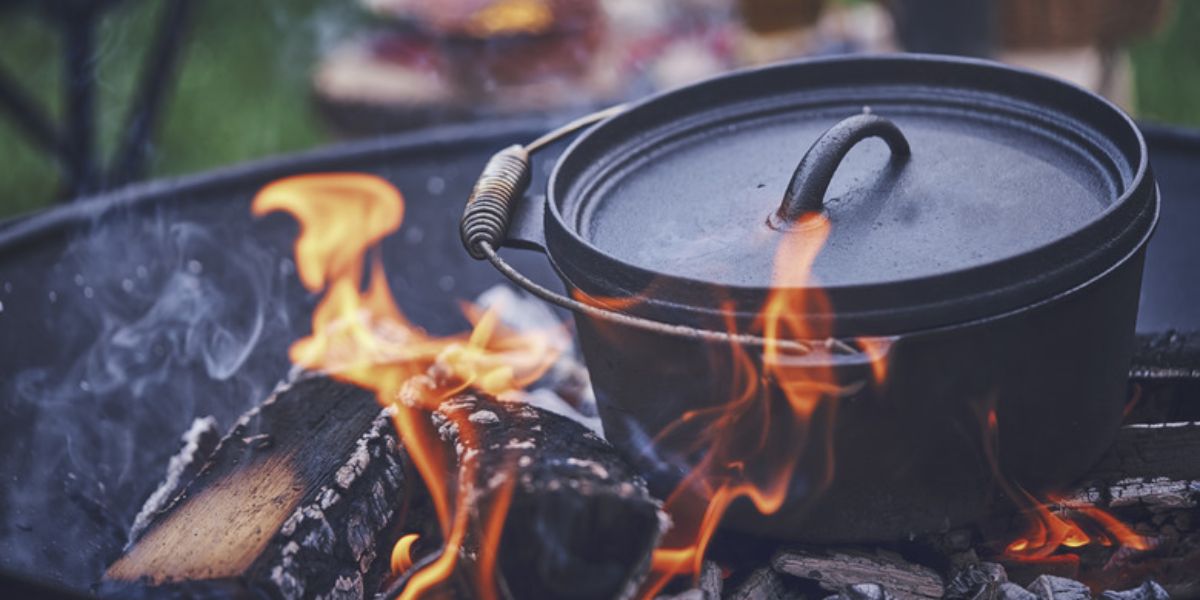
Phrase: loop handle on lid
(806,192)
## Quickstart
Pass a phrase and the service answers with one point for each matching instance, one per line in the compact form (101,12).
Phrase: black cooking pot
(990,251)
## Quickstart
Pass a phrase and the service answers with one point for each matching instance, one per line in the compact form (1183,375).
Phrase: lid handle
(806,193)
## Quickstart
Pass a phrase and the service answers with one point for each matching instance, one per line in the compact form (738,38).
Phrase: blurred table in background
(423,63)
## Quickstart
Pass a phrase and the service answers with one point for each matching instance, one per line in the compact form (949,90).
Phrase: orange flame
(360,336)
(1071,524)
(1057,523)
(753,443)
(402,559)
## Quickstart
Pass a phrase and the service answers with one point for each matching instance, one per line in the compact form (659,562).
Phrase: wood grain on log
(288,505)
(835,571)
(1149,465)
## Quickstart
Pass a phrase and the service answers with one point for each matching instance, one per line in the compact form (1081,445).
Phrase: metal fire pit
(125,316)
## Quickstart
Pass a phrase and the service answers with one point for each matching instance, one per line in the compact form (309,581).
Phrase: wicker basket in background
(1039,24)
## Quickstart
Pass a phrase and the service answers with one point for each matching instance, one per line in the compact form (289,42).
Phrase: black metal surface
(1171,284)
(55,532)
(1014,234)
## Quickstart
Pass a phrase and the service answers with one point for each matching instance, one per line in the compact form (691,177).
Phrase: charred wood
(1147,591)
(836,571)
(763,584)
(1150,464)
(580,522)
(1169,355)
(709,585)
(290,504)
(1049,587)
(863,591)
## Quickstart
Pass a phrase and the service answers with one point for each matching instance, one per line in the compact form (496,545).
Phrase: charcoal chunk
(863,591)
(1049,587)
(1147,591)
(763,584)
(710,580)
(1010,591)
(972,580)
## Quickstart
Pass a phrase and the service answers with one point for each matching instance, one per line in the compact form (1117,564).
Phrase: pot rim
(1127,222)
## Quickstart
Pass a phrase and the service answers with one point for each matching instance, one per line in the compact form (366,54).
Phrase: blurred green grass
(243,92)
(1167,69)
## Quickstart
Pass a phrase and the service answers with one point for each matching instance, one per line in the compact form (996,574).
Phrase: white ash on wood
(762,584)
(835,571)
(199,442)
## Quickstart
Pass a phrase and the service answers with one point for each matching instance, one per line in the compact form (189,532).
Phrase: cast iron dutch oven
(987,235)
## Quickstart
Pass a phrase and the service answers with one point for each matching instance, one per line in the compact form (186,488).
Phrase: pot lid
(940,180)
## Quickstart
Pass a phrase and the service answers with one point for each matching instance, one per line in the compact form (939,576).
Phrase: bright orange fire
(360,336)
(749,454)
(1057,523)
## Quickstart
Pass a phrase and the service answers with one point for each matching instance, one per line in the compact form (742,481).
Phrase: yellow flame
(359,335)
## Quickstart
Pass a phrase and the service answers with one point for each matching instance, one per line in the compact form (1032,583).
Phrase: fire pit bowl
(889,332)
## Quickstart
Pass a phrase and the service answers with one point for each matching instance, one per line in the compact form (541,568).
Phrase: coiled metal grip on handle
(489,209)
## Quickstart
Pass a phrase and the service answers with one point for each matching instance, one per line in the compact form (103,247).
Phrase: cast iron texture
(1020,351)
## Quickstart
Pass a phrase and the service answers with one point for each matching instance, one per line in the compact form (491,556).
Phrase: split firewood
(290,504)
(1169,355)
(199,442)
(835,571)
(580,522)
(1149,464)
(762,584)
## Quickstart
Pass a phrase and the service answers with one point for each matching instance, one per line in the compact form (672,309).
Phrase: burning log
(762,584)
(1147,460)
(837,571)
(709,585)
(1169,355)
(295,500)
(580,522)
(289,504)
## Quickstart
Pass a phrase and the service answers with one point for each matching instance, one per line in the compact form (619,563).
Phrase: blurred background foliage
(243,90)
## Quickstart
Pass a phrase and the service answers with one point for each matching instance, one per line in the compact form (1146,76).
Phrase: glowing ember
(360,336)
(1056,524)
(402,559)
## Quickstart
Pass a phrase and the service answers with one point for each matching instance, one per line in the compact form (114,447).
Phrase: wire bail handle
(488,213)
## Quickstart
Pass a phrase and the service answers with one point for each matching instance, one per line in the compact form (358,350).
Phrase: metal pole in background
(79,44)
(160,62)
